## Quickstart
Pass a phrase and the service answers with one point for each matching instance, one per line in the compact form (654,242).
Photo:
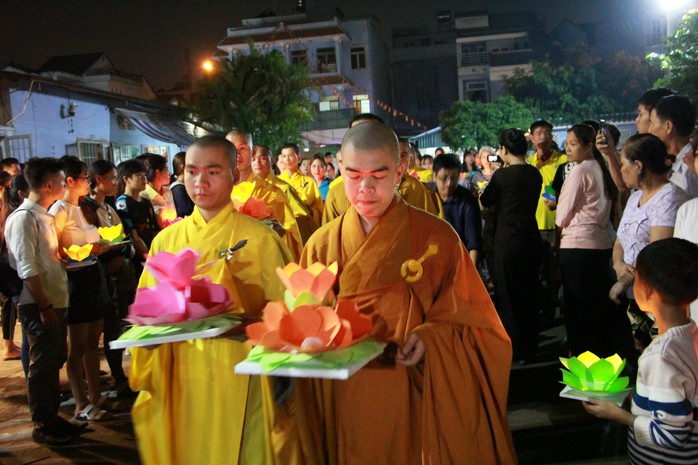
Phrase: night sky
(151,37)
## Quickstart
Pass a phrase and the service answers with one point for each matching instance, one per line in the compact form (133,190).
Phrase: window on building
(123,152)
(329,103)
(358,57)
(476,91)
(362,103)
(89,152)
(19,147)
(299,57)
(326,60)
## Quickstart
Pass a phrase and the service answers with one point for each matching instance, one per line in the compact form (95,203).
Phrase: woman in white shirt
(89,297)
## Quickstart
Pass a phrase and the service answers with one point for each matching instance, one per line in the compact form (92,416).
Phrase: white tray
(254,368)
(618,398)
(157,340)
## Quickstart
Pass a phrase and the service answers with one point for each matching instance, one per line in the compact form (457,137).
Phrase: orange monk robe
(450,409)
(436,201)
(414,192)
(304,217)
(308,191)
(277,202)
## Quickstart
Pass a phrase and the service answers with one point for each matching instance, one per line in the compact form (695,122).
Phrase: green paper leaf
(571,380)
(273,360)
(305,298)
(137,332)
(270,360)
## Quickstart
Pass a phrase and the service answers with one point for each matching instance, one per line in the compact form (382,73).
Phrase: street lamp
(207,66)
(673,9)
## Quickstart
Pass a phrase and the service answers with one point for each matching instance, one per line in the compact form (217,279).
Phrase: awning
(159,127)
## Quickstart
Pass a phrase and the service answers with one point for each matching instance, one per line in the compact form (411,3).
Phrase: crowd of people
(587,229)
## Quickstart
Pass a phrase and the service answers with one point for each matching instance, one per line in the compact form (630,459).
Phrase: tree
(259,93)
(681,58)
(582,86)
(472,124)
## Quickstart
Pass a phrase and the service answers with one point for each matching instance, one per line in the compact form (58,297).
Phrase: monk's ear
(401,167)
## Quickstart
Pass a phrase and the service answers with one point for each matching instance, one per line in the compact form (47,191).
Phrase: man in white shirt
(33,252)
(672,120)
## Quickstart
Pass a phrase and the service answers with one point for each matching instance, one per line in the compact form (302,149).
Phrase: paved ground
(546,429)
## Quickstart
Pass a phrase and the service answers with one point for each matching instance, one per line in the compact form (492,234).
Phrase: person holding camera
(514,192)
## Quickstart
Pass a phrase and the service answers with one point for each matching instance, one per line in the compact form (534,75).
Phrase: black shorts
(89,296)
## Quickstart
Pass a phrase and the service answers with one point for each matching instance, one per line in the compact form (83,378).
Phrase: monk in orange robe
(442,400)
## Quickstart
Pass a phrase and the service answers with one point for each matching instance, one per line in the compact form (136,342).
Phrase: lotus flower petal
(304,299)
(617,362)
(272,340)
(579,370)
(255,208)
(316,279)
(344,336)
(177,269)
(78,252)
(161,304)
(360,324)
(571,380)
(303,322)
(588,358)
(112,233)
(602,371)
(272,315)
(618,385)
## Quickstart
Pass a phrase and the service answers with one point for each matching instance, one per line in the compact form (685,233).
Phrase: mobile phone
(493,158)
(602,130)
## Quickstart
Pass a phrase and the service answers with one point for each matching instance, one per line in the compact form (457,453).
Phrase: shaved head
(371,136)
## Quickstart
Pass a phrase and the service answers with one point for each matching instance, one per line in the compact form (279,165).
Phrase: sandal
(111,404)
(93,413)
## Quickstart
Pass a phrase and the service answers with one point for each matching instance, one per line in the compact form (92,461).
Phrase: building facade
(347,59)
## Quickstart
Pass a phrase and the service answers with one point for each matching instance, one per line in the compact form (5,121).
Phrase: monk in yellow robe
(192,408)
(305,186)
(261,165)
(250,185)
(411,152)
(443,400)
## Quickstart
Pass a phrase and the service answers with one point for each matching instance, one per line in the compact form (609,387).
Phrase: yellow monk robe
(308,191)
(278,204)
(423,174)
(336,201)
(304,217)
(192,408)
(450,409)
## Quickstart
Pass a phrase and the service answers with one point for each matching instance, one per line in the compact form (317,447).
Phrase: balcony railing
(331,119)
(474,58)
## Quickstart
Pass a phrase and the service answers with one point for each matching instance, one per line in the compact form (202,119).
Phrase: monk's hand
(412,352)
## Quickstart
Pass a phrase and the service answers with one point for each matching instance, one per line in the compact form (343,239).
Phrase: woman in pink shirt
(584,208)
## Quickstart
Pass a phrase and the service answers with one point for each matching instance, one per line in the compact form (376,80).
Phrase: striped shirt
(664,400)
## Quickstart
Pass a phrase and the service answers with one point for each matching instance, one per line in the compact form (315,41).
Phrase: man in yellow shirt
(547,161)
(304,185)
(250,184)
(192,408)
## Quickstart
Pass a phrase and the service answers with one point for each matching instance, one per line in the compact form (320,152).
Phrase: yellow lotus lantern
(588,372)
(112,234)
(78,252)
